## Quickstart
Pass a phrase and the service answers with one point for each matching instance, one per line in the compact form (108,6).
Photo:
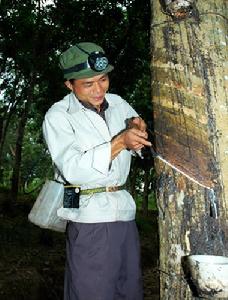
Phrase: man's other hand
(137,123)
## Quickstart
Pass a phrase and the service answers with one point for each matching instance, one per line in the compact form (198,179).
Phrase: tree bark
(19,140)
(5,119)
(145,201)
(18,151)
(190,121)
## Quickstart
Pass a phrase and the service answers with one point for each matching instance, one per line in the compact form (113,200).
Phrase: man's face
(90,90)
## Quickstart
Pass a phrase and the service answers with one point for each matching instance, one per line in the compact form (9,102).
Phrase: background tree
(32,37)
(190,119)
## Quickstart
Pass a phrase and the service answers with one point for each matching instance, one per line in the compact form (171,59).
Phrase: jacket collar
(97,122)
(74,105)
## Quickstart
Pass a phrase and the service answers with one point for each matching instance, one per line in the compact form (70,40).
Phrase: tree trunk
(7,112)
(191,133)
(145,200)
(19,140)
(18,151)
(4,122)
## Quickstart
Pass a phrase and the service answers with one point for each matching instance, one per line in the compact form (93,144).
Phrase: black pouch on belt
(71,197)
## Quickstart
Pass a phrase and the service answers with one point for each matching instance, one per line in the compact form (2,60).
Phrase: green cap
(84,60)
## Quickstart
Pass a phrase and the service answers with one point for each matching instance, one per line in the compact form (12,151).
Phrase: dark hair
(72,81)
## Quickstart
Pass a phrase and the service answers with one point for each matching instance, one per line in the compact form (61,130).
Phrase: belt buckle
(111,189)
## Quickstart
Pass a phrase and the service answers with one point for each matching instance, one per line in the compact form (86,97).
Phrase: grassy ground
(149,254)
(32,259)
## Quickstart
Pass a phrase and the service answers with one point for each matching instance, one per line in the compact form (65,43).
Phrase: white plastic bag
(44,210)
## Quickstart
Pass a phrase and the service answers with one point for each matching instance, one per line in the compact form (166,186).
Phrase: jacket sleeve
(129,110)
(76,166)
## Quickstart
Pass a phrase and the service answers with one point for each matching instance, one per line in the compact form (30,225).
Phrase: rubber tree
(190,104)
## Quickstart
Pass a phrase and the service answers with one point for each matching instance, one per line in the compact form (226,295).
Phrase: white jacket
(78,140)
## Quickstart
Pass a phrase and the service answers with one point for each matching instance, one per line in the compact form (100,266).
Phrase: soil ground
(32,259)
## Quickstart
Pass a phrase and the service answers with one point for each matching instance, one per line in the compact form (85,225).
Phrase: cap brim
(88,73)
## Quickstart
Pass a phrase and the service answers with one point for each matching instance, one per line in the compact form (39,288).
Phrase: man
(91,148)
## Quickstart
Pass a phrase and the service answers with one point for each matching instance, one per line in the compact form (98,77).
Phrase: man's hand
(134,138)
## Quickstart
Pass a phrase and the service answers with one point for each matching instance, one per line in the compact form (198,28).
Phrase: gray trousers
(103,262)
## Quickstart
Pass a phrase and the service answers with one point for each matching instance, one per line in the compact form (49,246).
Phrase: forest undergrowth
(32,259)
